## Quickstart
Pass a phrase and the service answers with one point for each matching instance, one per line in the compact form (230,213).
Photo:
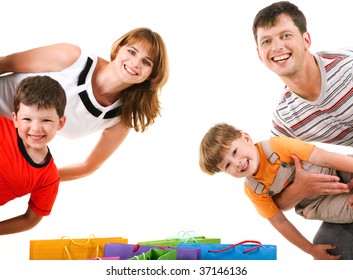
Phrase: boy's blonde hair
(214,145)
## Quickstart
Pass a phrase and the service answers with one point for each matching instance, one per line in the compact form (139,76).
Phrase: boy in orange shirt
(227,149)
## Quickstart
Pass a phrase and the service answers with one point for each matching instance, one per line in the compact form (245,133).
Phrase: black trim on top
(88,104)
(85,98)
(83,75)
(112,113)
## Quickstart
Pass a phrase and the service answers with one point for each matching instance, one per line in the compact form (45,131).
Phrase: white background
(152,187)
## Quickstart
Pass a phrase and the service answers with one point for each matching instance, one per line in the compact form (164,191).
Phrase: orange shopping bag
(67,248)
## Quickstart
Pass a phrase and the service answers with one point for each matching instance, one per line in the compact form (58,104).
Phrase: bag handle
(79,244)
(243,242)
(186,236)
(137,246)
(143,255)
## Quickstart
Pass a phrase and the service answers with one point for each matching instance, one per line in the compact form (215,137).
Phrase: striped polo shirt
(329,119)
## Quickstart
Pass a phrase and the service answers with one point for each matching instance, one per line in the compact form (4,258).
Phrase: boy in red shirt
(26,165)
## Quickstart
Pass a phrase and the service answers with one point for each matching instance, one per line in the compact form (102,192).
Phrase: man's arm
(308,184)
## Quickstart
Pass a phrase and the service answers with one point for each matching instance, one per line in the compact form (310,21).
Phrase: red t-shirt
(20,176)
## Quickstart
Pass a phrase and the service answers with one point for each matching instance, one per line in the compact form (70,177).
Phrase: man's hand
(308,184)
(317,184)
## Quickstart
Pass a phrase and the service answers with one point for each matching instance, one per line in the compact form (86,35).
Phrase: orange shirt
(285,147)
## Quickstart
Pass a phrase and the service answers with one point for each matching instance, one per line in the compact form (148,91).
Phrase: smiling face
(134,63)
(282,47)
(241,159)
(37,127)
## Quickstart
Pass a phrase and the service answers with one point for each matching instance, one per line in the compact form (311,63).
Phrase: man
(315,105)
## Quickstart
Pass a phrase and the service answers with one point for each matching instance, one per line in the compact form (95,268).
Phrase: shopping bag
(245,250)
(67,248)
(156,254)
(183,237)
(127,251)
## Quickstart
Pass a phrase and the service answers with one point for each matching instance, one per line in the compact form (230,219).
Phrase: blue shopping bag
(245,250)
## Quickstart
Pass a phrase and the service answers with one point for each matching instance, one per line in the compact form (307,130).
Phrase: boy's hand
(320,252)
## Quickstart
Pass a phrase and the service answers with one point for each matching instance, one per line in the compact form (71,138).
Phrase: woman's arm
(52,58)
(308,184)
(286,228)
(109,141)
(20,223)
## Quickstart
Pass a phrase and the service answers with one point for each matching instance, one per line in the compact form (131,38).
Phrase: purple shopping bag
(128,251)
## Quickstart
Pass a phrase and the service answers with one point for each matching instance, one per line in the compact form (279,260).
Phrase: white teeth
(280,58)
(245,166)
(130,71)
(36,138)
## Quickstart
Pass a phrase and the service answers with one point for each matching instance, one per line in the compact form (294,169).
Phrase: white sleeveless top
(84,115)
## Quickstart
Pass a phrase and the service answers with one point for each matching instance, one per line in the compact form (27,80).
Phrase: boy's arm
(20,223)
(286,228)
(308,184)
(333,160)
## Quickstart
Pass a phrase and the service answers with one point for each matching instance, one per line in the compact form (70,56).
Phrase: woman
(111,96)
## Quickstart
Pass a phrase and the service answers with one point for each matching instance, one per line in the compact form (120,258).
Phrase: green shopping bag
(183,237)
(156,254)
